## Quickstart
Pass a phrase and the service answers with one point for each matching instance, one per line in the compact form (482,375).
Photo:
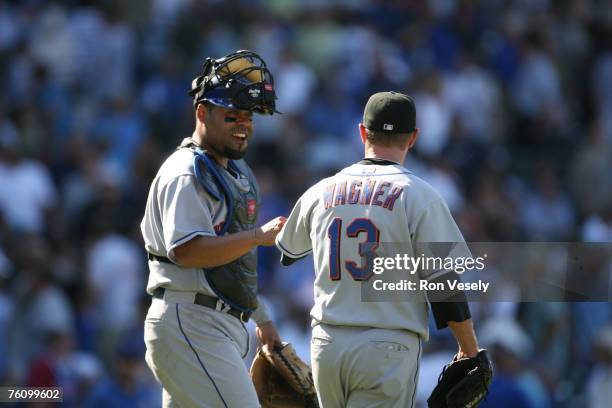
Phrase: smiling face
(227,131)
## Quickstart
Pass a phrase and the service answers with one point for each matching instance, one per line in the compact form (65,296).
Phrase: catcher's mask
(239,80)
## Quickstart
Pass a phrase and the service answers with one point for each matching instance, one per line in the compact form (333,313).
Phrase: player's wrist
(467,353)
(255,237)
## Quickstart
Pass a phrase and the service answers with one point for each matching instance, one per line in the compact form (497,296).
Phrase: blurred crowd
(514,102)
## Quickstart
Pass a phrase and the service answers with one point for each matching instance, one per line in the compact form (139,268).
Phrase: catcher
(201,237)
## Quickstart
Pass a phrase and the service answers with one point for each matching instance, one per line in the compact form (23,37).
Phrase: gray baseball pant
(357,367)
(196,354)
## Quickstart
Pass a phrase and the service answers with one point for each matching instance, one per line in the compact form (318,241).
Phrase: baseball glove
(282,379)
(463,383)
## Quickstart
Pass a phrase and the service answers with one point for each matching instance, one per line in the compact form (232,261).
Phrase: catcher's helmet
(239,80)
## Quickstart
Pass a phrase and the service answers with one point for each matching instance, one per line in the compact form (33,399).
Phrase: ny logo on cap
(388,126)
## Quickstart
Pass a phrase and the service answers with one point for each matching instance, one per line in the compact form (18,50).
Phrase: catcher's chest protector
(236,282)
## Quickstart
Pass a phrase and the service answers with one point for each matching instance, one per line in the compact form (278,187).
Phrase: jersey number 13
(355,228)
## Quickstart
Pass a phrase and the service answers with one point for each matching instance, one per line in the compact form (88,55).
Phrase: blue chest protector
(236,282)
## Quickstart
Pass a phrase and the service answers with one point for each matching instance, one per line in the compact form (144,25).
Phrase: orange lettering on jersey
(340,194)
(380,191)
(393,195)
(354,191)
(328,195)
(366,193)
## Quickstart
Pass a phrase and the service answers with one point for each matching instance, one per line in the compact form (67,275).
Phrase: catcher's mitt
(282,379)
(463,383)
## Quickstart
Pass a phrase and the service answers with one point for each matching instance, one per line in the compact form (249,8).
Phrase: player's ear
(413,138)
(201,112)
(362,133)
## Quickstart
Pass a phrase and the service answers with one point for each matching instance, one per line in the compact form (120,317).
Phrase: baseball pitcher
(366,354)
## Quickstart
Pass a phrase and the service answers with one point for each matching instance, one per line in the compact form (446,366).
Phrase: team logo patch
(219,227)
(251,207)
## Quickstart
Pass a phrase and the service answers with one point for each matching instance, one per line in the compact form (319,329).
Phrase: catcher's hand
(282,379)
(463,383)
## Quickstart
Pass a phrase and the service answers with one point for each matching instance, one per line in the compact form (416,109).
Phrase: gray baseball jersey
(178,210)
(365,202)
(194,351)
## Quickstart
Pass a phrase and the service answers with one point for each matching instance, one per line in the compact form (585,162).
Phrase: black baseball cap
(390,112)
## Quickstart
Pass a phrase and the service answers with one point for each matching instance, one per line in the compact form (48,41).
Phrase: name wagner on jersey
(362,192)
